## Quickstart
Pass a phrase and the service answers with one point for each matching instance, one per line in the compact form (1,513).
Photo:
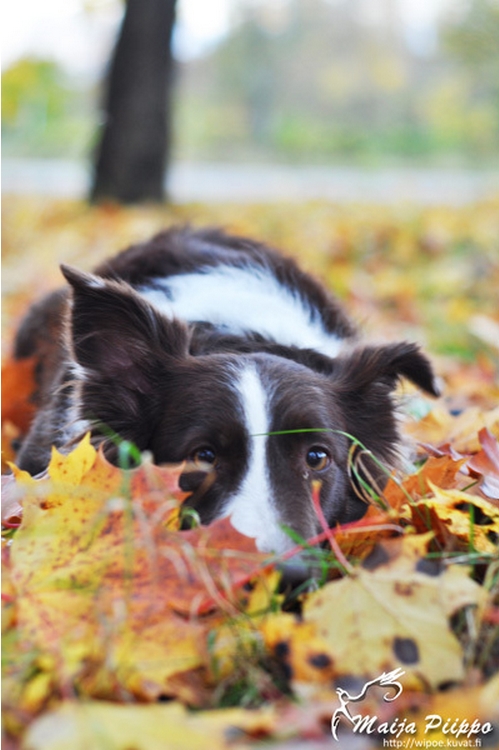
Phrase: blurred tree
(133,152)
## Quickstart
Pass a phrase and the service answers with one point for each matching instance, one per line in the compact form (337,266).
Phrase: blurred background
(339,99)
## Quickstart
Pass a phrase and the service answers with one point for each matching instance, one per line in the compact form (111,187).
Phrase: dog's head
(254,428)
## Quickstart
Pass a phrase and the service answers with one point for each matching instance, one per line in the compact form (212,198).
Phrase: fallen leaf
(440,427)
(485,464)
(303,652)
(18,386)
(470,704)
(393,612)
(472,520)
(441,471)
(8,597)
(101,578)
(81,726)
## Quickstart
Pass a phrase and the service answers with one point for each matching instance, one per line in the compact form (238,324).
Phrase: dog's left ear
(381,367)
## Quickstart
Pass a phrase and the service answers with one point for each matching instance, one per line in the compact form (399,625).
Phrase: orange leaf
(441,471)
(439,427)
(18,387)
(100,577)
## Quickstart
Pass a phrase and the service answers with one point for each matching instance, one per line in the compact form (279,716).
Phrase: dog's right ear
(117,335)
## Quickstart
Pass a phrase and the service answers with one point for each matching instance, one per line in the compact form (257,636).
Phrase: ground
(412,586)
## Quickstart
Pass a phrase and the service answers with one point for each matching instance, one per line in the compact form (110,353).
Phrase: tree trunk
(133,153)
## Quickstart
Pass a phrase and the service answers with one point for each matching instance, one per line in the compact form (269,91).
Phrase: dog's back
(237,285)
(239,293)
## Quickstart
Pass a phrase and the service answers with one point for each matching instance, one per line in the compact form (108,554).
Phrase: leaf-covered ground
(120,631)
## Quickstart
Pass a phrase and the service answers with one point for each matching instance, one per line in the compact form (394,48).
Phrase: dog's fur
(202,348)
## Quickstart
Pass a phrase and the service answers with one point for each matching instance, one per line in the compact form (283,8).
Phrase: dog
(217,352)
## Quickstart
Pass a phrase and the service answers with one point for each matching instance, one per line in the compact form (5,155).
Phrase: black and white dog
(218,352)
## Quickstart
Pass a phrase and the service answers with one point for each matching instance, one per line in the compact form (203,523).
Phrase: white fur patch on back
(242,300)
(251,509)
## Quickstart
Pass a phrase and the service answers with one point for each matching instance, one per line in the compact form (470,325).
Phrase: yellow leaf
(454,509)
(86,726)
(263,593)
(393,612)
(70,469)
(238,640)
(302,650)
(439,427)
(86,574)
(473,704)
(234,645)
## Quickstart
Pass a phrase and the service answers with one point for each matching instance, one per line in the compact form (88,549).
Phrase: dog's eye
(317,458)
(205,455)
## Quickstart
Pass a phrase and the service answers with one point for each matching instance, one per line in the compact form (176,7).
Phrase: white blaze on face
(252,509)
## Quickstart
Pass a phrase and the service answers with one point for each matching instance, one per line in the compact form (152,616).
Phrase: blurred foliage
(472,37)
(96,631)
(324,81)
(311,82)
(45,112)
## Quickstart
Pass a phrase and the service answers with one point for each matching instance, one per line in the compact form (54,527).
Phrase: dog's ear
(382,367)
(118,336)
(363,383)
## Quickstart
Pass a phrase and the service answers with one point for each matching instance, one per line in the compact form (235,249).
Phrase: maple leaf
(357,539)
(18,406)
(103,578)
(393,612)
(441,471)
(8,610)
